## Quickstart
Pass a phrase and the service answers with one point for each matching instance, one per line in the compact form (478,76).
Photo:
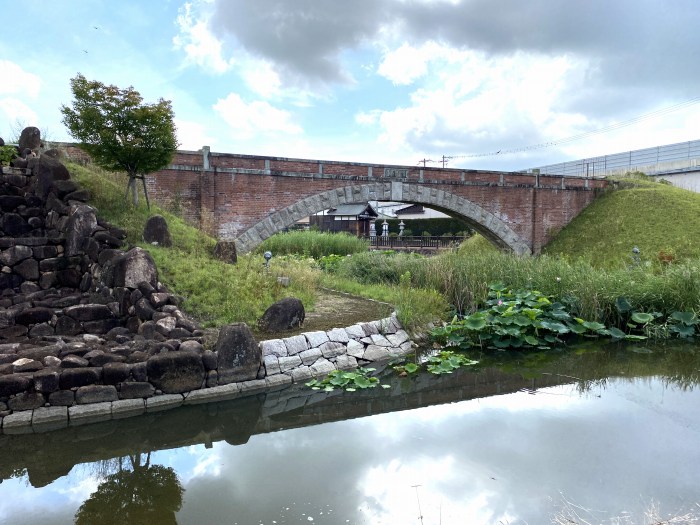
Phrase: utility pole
(445,160)
(420,512)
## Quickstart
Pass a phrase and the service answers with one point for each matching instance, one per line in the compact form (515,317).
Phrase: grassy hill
(657,218)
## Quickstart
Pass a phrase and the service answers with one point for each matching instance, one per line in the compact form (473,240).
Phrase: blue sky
(393,81)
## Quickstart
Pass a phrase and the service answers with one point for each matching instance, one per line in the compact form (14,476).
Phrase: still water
(601,431)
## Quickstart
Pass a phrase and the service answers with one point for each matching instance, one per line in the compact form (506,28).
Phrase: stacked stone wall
(87,331)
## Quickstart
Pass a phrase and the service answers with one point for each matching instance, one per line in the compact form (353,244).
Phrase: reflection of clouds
(506,458)
(80,490)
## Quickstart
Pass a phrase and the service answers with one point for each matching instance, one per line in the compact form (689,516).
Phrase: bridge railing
(625,161)
(421,242)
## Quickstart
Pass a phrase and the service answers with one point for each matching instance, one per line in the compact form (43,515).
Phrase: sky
(482,82)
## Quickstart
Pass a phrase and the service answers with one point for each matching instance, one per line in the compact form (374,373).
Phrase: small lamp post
(385,229)
(372,229)
(267,256)
(401,228)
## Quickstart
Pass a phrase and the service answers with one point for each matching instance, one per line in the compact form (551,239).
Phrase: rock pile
(85,322)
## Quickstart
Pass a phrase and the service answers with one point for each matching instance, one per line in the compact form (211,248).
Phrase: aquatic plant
(348,380)
(519,319)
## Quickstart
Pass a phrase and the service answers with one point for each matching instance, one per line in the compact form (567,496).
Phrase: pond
(594,432)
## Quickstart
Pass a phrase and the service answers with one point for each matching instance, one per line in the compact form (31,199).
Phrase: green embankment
(661,220)
(216,293)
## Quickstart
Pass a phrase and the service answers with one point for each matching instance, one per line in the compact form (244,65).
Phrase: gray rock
(272,366)
(240,356)
(380,340)
(322,367)
(133,267)
(338,335)
(35,315)
(88,312)
(226,251)
(26,365)
(28,269)
(46,381)
(15,254)
(46,171)
(64,398)
(156,231)
(316,339)
(301,374)
(378,353)
(309,357)
(13,384)
(30,138)
(114,373)
(95,394)
(331,349)
(136,390)
(79,227)
(296,344)
(346,362)
(41,329)
(74,361)
(283,315)
(288,363)
(274,347)
(192,346)
(26,401)
(176,372)
(210,360)
(77,377)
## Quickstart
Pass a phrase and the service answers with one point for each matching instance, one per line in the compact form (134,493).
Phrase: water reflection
(137,492)
(621,435)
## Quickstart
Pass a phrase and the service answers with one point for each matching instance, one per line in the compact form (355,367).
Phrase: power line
(573,138)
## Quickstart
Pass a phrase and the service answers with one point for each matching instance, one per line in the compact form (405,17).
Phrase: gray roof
(352,210)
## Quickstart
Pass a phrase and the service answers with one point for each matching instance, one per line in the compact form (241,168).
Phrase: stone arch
(485,222)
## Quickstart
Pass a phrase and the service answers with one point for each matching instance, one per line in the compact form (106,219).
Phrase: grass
(589,263)
(313,244)
(654,217)
(215,293)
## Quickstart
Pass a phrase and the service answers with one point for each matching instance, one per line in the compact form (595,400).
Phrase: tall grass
(313,244)
(463,281)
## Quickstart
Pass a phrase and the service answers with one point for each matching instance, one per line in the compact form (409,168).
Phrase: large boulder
(239,356)
(46,171)
(156,231)
(226,251)
(283,315)
(133,267)
(176,372)
(79,227)
(30,138)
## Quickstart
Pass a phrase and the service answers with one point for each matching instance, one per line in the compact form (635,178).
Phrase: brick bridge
(248,198)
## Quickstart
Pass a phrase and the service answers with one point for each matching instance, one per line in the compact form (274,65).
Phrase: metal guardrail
(627,161)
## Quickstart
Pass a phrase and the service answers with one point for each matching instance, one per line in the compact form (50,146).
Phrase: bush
(7,153)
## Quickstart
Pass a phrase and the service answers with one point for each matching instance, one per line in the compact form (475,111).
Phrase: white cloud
(469,101)
(192,135)
(247,120)
(14,110)
(201,47)
(16,80)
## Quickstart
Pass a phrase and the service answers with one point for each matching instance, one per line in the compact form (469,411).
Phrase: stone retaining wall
(87,331)
(286,361)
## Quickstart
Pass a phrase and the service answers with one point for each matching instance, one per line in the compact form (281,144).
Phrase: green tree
(119,131)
